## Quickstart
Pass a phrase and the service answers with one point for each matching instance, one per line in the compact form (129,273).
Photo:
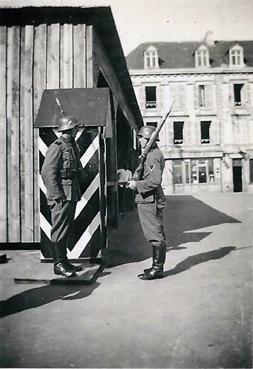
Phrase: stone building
(207,140)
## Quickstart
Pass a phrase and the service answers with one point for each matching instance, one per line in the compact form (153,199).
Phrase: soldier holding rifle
(150,198)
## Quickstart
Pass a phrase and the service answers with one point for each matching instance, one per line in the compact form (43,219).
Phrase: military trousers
(151,219)
(62,217)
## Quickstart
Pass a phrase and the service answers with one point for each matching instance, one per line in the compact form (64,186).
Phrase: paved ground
(198,316)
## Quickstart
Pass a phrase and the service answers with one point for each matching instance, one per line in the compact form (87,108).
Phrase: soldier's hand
(60,203)
(132,185)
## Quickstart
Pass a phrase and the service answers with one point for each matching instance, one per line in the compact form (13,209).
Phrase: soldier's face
(143,142)
(74,131)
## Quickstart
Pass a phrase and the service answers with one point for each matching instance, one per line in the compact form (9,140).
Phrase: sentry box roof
(90,106)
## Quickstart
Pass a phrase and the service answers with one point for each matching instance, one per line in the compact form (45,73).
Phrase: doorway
(237,175)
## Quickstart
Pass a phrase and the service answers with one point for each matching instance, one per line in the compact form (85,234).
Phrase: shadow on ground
(182,214)
(40,296)
(203,257)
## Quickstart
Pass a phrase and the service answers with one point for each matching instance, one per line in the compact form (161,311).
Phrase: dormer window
(202,57)
(236,56)
(151,58)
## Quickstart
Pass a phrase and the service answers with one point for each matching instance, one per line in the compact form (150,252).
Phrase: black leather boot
(61,268)
(153,258)
(159,254)
(60,260)
(74,268)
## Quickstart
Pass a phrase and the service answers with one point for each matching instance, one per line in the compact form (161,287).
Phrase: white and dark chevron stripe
(86,239)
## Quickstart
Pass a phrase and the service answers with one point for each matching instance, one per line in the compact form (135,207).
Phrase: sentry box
(91,107)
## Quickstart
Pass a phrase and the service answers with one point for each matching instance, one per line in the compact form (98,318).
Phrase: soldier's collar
(67,139)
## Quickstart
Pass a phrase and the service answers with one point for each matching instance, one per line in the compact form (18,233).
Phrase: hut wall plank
(79,51)
(39,76)
(26,134)
(3,136)
(53,56)
(13,168)
(89,57)
(66,56)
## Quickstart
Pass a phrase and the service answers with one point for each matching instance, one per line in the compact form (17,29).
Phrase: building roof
(181,54)
(103,21)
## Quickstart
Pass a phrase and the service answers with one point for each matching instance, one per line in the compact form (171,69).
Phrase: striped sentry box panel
(88,236)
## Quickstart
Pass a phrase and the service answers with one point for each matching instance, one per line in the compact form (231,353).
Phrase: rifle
(63,114)
(139,169)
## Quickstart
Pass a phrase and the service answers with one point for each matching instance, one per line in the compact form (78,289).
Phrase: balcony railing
(151,104)
(205,140)
(178,141)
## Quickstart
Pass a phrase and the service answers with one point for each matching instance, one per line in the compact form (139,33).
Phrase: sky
(140,21)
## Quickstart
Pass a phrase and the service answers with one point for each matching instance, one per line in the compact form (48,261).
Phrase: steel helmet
(67,122)
(146,132)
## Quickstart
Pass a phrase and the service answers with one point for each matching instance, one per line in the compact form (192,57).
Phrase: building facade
(207,140)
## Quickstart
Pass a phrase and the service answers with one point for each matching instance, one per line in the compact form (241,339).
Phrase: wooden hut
(45,49)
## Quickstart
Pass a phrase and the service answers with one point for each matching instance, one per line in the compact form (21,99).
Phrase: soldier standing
(150,201)
(62,174)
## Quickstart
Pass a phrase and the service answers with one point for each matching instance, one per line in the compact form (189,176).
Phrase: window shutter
(248,94)
(141,97)
(195,96)
(214,132)
(209,97)
(182,97)
(174,96)
(159,97)
(231,95)
(244,94)
(197,132)
(178,95)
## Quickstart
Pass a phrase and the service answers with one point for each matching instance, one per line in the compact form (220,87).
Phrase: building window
(236,56)
(210,170)
(193,171)
(178,132)
(202,57)
(153,124)
(202,96)
(151,102)
(251,170)
(239,94)
(205,132)
(202,171)
(177,172)
(151,58)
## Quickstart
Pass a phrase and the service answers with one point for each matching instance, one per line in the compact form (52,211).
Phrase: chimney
(208,39)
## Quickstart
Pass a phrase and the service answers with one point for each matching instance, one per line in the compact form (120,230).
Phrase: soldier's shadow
(183,214)
(203,257)
(40,296)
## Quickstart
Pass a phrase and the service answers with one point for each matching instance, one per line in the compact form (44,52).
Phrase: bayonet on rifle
(59,106)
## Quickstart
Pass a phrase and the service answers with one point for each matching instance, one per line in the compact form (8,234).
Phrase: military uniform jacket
(149,186)
(62,171)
